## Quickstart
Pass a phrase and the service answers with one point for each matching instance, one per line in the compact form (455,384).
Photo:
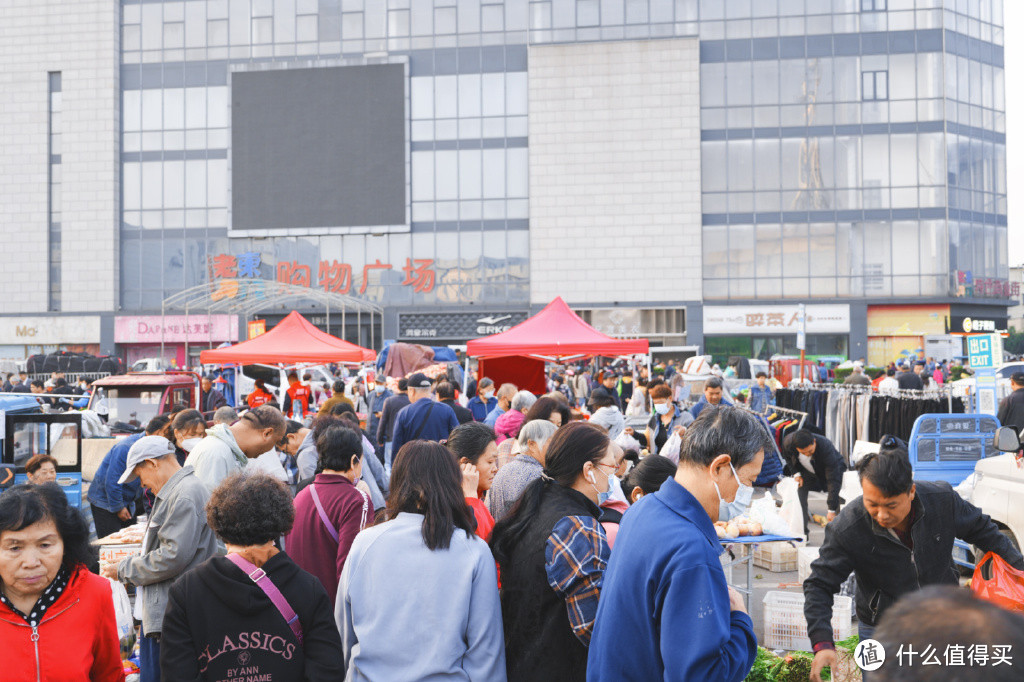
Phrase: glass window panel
(423,176)
(876,161)
(516,94)
(444,20)
(741,251)
(518,176)
(174,109)
(822,248)
(445,96)
(469,94)
(152,184)
(712,85)
(769,251)
(713,168)
(306,28)
(152,26)
(152,109)
(422,97)
(195,183)
(447,174)
(195,24)
(738,81)
(131,179)
(588,13)
(195,107)
(741,163)
(174,35)
(795,259)
(131,38)
(903,156)
(766,75)
(217,32)
(493,85)
(218,107)
(494,173)
(470,173)
(716,252)
(174,184)
(217,183)
(132,114)
(766,164)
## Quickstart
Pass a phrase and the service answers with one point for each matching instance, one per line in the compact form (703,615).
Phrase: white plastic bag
(671,448)
(791,512)
(763,511)
(122,609)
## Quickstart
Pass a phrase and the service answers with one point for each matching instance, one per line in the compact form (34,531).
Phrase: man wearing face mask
(666,612)
(817,466)
(484,401)
(376,394)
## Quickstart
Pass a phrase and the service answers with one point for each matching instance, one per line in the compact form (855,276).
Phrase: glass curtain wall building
(851,149)
(864,147)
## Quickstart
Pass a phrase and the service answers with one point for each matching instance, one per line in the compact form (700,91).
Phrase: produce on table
(741,526)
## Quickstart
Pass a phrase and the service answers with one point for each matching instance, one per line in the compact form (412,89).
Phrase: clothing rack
(795,413)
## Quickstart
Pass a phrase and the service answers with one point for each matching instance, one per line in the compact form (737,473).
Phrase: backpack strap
(263,581)
(323,514)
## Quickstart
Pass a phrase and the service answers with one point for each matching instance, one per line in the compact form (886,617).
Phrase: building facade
(688,170)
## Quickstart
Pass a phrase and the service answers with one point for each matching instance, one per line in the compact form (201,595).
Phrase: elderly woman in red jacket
(57,619)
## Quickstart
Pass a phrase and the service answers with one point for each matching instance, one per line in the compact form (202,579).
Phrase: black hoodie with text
(221,627)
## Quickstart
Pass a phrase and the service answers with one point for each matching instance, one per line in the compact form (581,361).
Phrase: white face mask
(488,395)
(744,493)
(189,443)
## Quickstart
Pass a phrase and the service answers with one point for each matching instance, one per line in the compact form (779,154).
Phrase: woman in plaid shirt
(552,551)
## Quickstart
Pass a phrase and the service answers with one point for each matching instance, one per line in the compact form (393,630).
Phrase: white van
(275,377)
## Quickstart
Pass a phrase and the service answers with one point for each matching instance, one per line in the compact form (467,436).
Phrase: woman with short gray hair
(513,478)
(508,424)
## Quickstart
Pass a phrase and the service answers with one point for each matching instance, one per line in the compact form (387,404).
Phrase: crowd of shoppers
(507,539)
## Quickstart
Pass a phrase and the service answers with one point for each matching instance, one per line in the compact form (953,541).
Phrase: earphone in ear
(591,478)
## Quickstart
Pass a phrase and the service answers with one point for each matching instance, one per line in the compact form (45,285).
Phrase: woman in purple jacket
(330,511)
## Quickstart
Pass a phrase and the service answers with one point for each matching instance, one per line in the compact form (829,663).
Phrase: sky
(1013,18)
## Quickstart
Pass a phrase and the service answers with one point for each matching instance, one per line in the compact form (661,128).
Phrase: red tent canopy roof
(293,340)
(555,331)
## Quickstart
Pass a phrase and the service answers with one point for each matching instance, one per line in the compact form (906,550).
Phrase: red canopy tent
(555,333)
(293,340)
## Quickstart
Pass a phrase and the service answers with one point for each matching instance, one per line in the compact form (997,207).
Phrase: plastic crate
(804,557)
(786,628)
(777,557)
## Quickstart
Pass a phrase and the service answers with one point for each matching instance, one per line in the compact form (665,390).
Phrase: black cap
(419,380)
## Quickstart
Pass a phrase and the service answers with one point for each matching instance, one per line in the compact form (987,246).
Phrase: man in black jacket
(1011,410)
(896,538)
(446,394)
(817,466)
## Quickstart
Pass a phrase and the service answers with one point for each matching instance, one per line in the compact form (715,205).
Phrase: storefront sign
(617,322)
(977,325)
(984,287)
(32,331)
(455,326)
(780,319)
(331,276)
(175,328)
(907,320)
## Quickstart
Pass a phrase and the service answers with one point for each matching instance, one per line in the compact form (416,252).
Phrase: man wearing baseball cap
(424,418)
(176,540)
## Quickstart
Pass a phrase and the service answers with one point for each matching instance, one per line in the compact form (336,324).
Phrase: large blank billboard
(318,147)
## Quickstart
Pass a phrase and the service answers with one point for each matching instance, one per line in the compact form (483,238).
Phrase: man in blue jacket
(425,418)
(714,390)
(665,611)
(113,503)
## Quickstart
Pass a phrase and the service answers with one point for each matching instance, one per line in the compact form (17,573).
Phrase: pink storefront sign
(175,328)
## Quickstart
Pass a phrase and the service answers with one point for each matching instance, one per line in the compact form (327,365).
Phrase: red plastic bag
(998,582)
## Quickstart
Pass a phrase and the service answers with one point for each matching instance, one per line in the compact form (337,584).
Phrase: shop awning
(554,333)
(293,340)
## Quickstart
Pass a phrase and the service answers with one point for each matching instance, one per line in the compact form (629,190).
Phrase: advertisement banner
(776,319)
(42,331)
(175,328)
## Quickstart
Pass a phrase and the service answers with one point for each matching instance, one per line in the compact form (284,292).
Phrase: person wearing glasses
(227,449)
(896,538)
(552,552)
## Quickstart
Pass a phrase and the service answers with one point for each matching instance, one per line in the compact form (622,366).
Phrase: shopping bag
(763,511)
(791,512)
(671,448)
(122,609)
(998,582)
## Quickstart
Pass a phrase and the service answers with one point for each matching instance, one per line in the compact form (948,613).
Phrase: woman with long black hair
(418,597)
(553,552)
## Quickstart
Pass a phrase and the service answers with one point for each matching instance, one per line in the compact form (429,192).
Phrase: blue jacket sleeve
(397,436)
(720,643)
(118,463)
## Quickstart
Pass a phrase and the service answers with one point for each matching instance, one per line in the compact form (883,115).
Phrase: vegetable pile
(741,525)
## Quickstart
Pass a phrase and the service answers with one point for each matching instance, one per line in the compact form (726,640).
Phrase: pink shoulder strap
(258,576)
